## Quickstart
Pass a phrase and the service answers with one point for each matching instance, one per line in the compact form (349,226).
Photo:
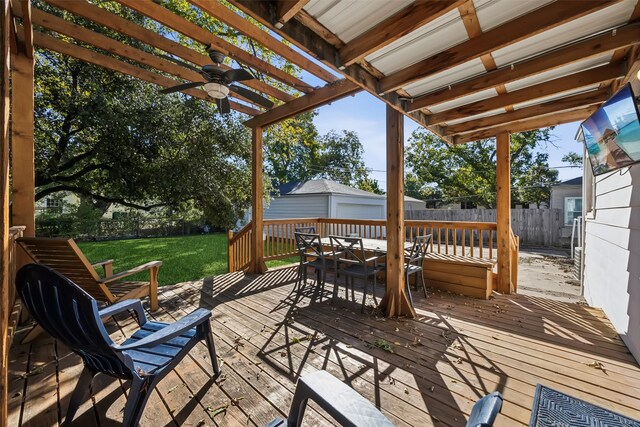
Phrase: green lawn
(184,258)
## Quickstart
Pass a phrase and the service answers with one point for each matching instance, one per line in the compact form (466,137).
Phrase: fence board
(537,227)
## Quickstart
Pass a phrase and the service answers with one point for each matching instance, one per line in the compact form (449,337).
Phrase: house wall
(558,194)
(298,206)
(611,278)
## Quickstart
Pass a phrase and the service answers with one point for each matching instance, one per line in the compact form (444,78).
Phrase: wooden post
(396,301)
(5,26)
(257,201)
(22,154)
(503,212)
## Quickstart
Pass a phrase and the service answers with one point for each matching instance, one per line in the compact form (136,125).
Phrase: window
(572,209)
(54,203)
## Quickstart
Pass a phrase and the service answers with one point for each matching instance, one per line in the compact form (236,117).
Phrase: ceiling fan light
(216,90)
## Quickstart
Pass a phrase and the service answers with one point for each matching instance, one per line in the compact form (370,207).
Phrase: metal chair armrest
(170,331)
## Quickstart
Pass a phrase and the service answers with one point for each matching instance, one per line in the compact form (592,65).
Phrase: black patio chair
(349,253)
(312,255)
(308,230)
(71,315)
(336,398)
(414,262)
(485,410)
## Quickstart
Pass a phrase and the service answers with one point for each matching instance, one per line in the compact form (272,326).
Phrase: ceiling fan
(219,81)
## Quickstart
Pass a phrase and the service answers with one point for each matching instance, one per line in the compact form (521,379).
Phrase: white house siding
(298,206)
(612,252)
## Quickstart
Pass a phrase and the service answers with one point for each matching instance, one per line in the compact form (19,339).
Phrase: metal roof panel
(453,75)
(565,70)
(574,30)
(492,13)
(428,40)
(347,19)
(474,97)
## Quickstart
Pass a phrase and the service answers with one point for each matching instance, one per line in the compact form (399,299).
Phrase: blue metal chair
(71,315)
(341,402)
(485,410)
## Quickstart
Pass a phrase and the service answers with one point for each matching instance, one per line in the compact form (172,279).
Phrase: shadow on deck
(426,371)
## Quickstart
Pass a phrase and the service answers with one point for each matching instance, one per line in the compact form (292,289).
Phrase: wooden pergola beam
(598,45)
(287,9)
(310,42)
(6,27)
(85,35)
(257,264)
(524,125)
(569,103)
(409,19)
(229,17)
(114,22)
(395,302)
(545,18)
(575,81)
(503,211)
(51,43)
(189,29)
(21,41)
(329,93)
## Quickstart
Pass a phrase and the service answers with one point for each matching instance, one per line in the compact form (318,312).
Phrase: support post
(503,212)
(5,28)
(23,207)
(396,301)
(257,204)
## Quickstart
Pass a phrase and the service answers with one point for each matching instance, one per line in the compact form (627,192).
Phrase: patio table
(373,245)
(554,408)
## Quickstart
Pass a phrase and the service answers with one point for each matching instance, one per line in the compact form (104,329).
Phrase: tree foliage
(294,151)
(466,173)
(111,138)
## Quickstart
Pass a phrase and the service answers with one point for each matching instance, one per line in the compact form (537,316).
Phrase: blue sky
(365,114)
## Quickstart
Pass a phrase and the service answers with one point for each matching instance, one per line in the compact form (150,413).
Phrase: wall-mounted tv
(612,133)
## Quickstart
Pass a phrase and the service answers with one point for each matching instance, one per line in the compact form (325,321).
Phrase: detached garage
(323,198)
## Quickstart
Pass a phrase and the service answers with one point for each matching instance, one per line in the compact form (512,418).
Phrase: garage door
(359,211)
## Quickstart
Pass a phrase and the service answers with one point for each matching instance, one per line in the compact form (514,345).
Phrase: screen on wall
(612,133)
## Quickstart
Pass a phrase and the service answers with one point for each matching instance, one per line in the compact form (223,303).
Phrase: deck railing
(464,238)
(239,249)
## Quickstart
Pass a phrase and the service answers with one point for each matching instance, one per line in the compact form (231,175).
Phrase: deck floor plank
(266,339)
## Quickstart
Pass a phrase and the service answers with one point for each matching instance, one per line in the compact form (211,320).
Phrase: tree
(294,151)
(110,138)
(467,172)
(574,159)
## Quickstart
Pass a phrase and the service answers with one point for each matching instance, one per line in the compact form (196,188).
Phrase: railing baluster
(446,241)
(464,232)
(481,243)
(490,243)
(455,241)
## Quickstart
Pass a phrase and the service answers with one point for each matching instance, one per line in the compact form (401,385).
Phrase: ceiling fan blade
(223,105)
(238,75)
(252,96)
(182,63)
(182,87)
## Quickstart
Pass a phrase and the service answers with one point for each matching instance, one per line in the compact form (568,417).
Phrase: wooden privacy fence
(540,227)
(463,238)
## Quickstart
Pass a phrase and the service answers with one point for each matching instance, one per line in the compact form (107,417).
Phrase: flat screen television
(612,133)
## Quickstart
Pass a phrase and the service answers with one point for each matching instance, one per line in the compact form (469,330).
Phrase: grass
(184,258)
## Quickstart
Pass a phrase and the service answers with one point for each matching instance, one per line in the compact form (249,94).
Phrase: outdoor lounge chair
(64,256)
(71,316)
(336,398)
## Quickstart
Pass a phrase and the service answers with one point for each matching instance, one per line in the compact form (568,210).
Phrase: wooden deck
(427,371)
